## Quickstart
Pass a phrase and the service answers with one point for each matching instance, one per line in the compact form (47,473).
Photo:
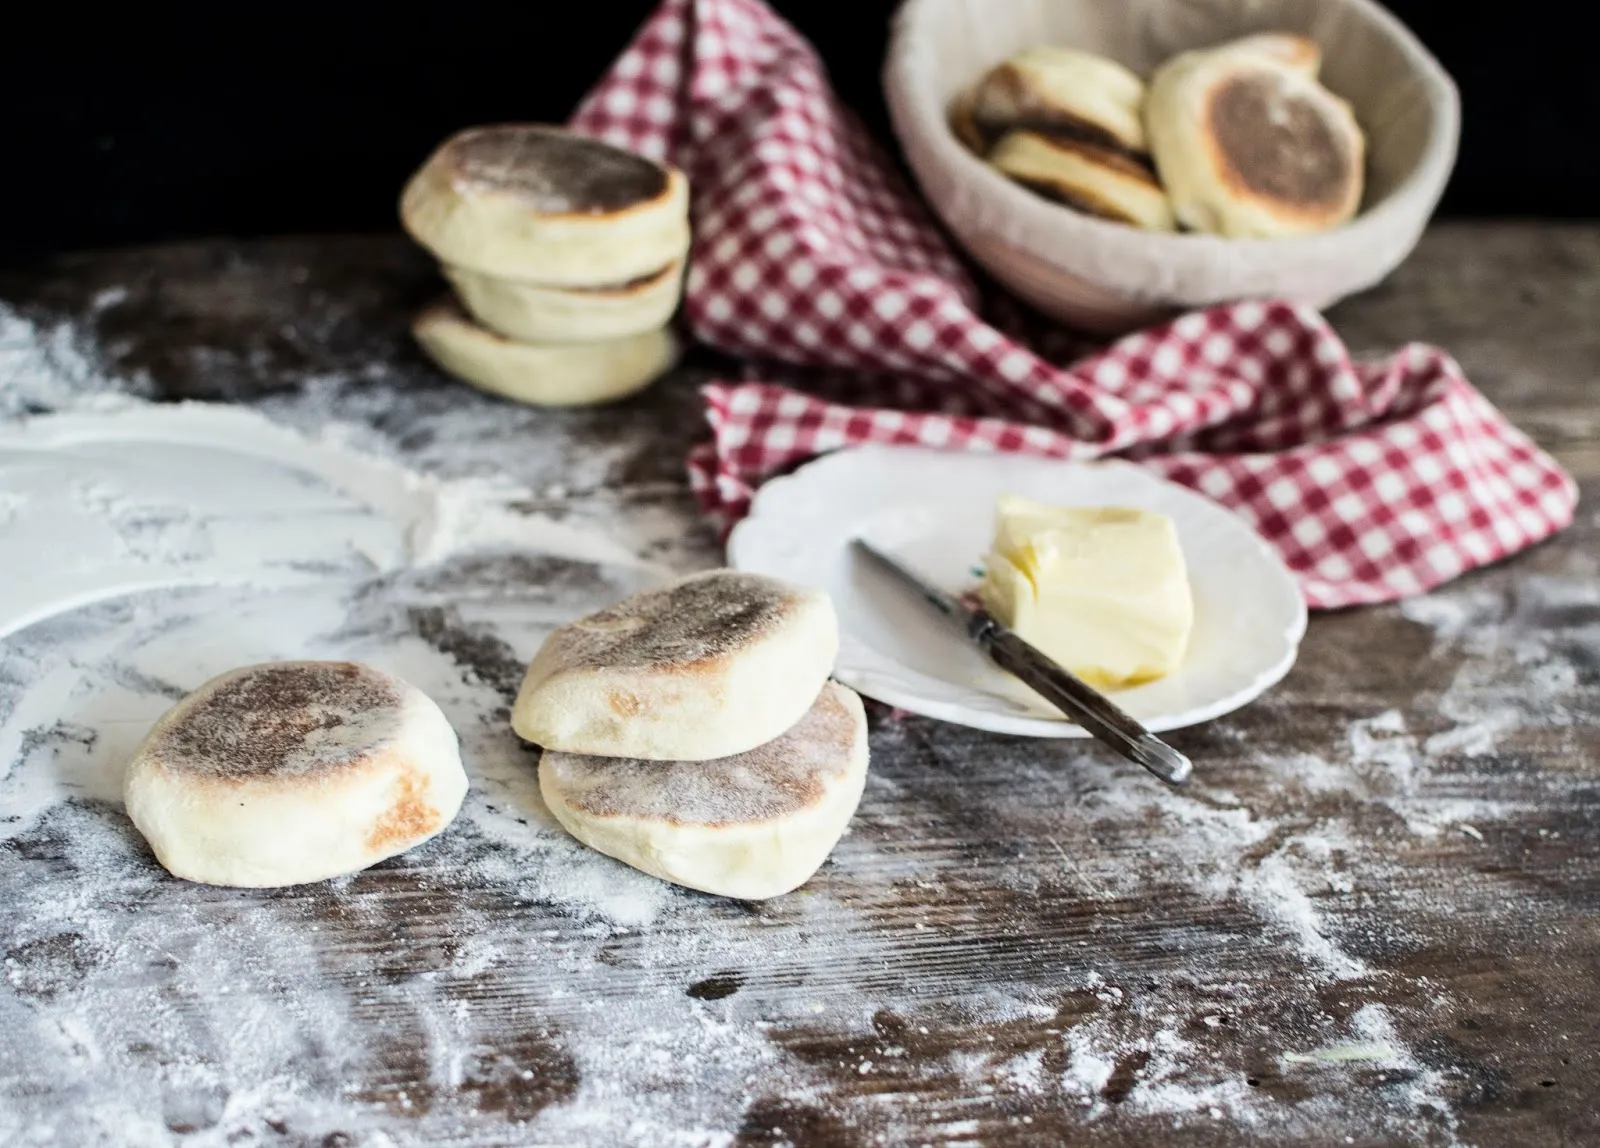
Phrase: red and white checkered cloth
(814,263)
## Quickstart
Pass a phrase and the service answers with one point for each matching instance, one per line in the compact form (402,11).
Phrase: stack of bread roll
(1238,140)
(691,731)
(567,257)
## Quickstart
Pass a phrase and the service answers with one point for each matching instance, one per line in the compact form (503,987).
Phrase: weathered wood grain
(1422,793)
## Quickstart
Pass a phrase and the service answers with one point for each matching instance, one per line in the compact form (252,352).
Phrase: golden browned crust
(1077,198)
(411,816)
(1127,163)
(1290,49)
(624,703)
(684,628)
(288,720)
(1276,142)
(1050,121)
(554,171)
(965,127)
(1084,199)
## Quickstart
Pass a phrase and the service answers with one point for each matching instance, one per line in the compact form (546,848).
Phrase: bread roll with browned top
(1248,144)
(541,204)
(1062,92)
(1095,180)
(289,772)
(704,667)
(751,825)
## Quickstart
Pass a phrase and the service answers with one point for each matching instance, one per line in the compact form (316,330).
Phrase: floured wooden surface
(1372,915)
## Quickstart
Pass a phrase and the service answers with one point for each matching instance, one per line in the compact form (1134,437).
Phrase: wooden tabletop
(1372,918)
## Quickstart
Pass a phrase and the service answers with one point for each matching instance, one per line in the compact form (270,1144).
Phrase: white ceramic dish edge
(758,540)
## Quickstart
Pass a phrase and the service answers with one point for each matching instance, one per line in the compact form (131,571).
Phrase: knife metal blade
(1071,695)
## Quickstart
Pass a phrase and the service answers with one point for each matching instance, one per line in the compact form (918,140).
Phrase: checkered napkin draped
(815,265)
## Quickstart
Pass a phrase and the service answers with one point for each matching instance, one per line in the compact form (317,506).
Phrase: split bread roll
(544,205)
(753,825)
(289,772)
(1249,144)
(1059,91)
(534,312)
(543,374)
(703,667)
(1094,180)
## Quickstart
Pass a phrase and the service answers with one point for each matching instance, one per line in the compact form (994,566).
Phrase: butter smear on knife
(1101,590)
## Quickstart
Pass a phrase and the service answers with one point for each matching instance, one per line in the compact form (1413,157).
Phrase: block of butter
(1102,590)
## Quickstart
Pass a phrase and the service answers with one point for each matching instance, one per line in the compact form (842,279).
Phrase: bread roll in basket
(1106,277)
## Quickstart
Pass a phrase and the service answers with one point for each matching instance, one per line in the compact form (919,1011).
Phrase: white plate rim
(856,660)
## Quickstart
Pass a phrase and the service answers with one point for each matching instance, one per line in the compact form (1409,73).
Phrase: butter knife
(1068,693)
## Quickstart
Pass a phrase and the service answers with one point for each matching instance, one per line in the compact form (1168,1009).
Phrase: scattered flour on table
(503,977)
(48,368)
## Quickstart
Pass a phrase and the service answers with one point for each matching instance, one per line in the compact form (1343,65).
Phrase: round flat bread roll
(534,313)
(1062,91)
(289,772)
(1250,146)
(752,826)
(545,205)
(543,374)
(706,666)
(1094,180)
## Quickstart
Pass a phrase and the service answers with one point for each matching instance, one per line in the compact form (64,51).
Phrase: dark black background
(142,123)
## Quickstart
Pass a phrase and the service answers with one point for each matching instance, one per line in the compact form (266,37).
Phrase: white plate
(935,510)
